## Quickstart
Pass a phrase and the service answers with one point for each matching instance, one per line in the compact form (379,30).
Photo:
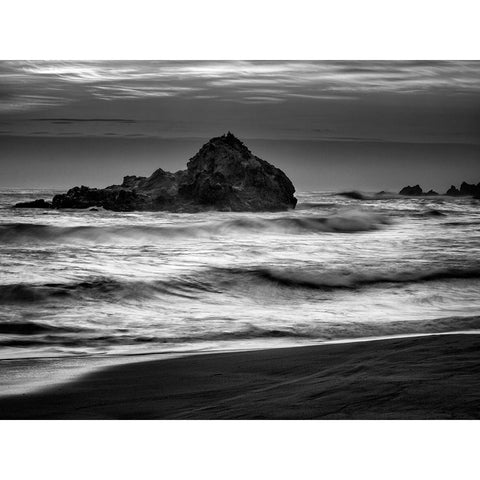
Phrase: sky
(329,125)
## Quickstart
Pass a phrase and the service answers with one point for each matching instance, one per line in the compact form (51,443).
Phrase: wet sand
(434,377)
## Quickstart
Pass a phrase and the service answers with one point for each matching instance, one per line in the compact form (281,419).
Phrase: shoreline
(417,377)
(62,370)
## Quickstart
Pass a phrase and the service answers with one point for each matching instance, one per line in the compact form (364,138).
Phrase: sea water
(99,283)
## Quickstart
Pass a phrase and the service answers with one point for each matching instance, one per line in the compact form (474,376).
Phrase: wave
(354,195)
(350,280)
(467,223)
(349,222)
(34,335)
(326,331)
(100,289)
(357,195)
(219,281)
(323,331)
(33,328)
(432,212)
(313,205)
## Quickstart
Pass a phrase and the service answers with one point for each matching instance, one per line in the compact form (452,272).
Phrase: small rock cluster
(466,189)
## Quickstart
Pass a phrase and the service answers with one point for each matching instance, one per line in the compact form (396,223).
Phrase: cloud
(256,99)
(269,98)
(24,102)
(325,96)
(112,92)
(37,85)
(75,120)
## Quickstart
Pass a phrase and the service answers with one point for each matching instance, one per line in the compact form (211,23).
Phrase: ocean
(102,285)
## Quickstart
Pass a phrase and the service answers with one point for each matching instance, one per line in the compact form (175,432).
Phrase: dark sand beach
(429,377)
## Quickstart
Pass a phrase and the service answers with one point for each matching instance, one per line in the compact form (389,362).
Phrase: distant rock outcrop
(470,189)
(224,175)
(466,189)
(413,191)
(453,191)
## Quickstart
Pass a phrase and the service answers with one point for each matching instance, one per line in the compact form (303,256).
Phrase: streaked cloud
(112,92)
(34,85)
(25,102)
(255,99)
(269,99)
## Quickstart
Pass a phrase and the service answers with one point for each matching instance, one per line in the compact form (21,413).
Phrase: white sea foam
(100,282)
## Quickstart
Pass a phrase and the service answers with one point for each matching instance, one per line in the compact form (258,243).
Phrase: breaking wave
(220,280)
(342,280)
(349,222)
(33,328)
(100,289)
(324,331)
(432,212)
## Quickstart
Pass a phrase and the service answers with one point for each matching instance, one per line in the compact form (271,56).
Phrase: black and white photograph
(243,239)
(279,240)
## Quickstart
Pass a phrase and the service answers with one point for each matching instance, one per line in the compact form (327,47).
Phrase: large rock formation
(224,175)
(415,191)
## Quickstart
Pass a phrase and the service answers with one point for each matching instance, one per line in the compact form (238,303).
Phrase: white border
(248,29)
(239,450)
(251,29)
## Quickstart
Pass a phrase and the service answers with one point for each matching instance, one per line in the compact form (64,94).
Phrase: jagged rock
(223,175)
(84,197)
(34,204)
(226,175)
(431,193)
(467,189)
(453,191)
(470,189)
(413,191)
